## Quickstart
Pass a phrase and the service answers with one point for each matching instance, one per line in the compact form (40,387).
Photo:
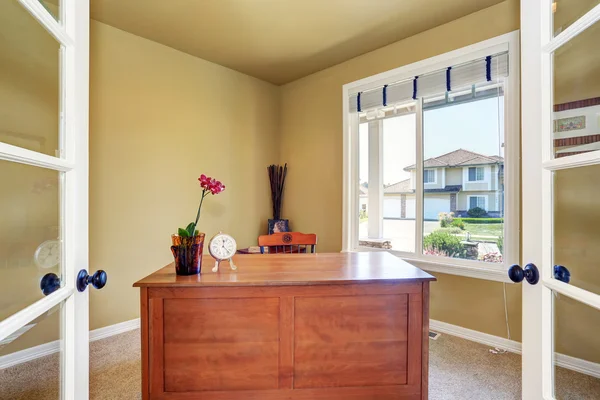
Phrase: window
(476,174)
(427,162)
(429,176)
(478,201)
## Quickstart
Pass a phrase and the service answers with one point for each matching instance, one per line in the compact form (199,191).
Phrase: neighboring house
(456,181)
(363,198)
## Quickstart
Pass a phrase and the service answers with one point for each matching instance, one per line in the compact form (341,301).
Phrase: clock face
(222,246)
(47,254)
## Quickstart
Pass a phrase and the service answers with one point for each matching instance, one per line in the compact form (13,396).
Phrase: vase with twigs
(277,174)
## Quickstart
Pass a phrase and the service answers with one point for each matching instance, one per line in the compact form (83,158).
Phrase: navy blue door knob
(49,283)
(530,273)
(98,280)
(562,274)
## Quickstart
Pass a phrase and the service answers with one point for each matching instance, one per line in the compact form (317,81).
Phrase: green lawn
(485,229)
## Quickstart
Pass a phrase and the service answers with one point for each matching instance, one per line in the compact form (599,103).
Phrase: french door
(44,194)
(561,194)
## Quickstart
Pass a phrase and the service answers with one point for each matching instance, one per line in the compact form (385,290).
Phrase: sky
(477,126)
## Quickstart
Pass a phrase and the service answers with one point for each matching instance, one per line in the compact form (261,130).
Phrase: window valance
(488,69)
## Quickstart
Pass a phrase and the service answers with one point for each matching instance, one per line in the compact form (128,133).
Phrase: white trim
(589,19)
(578,160)
(18,320)
(47,21)
(574,292)
(47,349)
(561,360)
(12,153)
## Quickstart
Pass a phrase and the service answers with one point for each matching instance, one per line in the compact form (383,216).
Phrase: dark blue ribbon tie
(448,85)
(488,68)
(358,102)
(385,95)
(415,88)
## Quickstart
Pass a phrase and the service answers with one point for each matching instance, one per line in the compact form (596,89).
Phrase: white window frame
(471,268)
(476,180)
(485,201)
(434,182)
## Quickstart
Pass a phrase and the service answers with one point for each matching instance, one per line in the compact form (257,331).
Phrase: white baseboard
(562,360)
(46,349)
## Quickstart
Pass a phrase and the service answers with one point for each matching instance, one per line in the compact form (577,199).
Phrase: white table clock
(222,247)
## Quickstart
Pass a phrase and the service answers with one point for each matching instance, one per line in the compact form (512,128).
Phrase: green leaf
(197,232)
(182,232)
(190,229)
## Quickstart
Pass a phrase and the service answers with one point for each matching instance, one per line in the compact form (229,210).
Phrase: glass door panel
(29,82)
(53,7)
(29,233)
(576,350)
(576,112)
(577,226)
(565,12)
(39,378)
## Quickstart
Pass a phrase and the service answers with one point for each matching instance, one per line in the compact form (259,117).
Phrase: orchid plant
(209,186)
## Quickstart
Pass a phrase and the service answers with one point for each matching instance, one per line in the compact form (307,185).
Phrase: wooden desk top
(293,269)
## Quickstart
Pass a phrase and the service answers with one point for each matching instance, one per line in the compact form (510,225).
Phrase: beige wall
(158,119)
(462,200)
(454,176)
(311,142)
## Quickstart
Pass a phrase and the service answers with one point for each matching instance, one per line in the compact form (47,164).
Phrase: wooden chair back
(288,242)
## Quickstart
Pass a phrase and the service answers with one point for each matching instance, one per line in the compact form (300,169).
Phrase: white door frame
(72,32)
(537,46)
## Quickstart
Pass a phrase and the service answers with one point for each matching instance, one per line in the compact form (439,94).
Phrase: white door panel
(44,197)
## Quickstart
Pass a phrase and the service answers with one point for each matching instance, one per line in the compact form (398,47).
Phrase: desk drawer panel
(350,341)
(221,344)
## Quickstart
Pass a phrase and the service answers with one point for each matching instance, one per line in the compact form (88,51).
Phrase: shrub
(481,220)
(443,241)
(458,223)
(445,219)
(501,243)
(477,212)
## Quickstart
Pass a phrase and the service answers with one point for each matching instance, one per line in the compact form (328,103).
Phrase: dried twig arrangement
(277,175)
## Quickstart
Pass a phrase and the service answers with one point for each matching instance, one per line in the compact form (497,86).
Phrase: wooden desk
(343,326)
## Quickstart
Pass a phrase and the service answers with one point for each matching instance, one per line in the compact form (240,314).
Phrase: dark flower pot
(278,225)
(188,254)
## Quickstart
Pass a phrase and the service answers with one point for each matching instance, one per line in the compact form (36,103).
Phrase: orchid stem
(198,215)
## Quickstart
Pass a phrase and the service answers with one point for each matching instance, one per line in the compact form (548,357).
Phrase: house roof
(404,187)
(459,158)
(398,187)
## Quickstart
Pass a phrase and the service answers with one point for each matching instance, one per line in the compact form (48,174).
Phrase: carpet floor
(458,370)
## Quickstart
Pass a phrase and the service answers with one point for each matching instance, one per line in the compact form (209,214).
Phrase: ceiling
(279,40)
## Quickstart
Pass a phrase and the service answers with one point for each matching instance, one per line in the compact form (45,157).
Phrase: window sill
(478,272)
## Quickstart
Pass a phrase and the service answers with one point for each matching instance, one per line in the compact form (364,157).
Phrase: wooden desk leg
(145,338)
(425,357)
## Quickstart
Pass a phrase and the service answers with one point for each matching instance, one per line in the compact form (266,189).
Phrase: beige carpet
(459,369)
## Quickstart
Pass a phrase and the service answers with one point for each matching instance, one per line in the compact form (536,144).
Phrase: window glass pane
(399,204)
(576,88)
(29,82)
(386,182)
(463,138)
